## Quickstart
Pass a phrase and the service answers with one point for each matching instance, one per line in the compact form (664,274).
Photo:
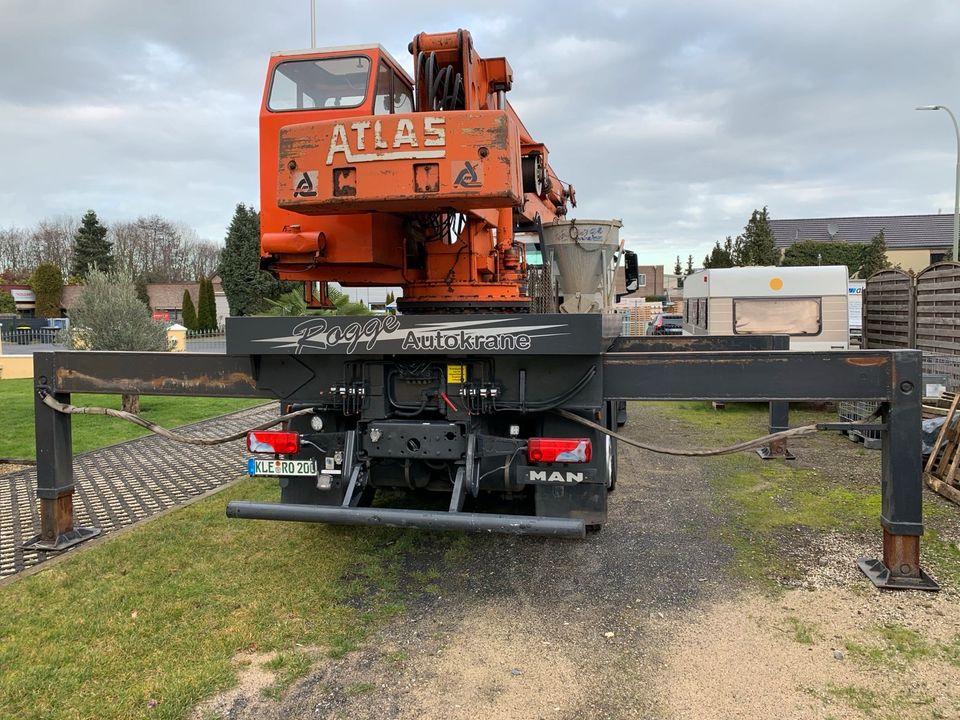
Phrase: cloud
(679,118)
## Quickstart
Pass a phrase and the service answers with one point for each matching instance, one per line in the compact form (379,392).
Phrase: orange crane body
(368,178)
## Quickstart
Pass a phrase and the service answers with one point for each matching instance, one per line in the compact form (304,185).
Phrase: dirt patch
(826,653)
(497,665)
(253,678)
(647,619)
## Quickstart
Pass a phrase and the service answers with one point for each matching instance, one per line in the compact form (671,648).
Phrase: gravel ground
(639,620)
(10,467)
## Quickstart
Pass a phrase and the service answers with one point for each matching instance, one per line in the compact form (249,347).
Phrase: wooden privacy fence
(922,311)
(937,324)
(889,310)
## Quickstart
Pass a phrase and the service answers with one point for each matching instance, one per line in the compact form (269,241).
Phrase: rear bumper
(423,519)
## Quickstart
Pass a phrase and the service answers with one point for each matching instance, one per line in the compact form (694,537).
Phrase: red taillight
(279,443)
(559,450)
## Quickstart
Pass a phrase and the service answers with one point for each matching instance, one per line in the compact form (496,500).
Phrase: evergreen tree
(292,303)
(874,256)
(390,298)
(207,306)
(7,304)
(813,252)
(47,285)
(756,245)
(140,285)
(141,282)
(91,248)
(689,269)
(720,256)
(245,285)
(678,268)
(189,312)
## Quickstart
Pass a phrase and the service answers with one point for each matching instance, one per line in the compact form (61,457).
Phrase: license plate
(260,466)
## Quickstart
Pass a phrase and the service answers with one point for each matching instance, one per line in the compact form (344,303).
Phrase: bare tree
(162,250)
(15,251)
(52,242)
(204,257)
(148,247)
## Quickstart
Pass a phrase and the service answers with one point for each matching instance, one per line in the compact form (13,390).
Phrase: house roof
(163,296)
(69,296)
(169,296)
(901,232)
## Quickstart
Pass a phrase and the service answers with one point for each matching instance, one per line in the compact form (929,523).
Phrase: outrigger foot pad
(770,453)
(62,541)
(880,575)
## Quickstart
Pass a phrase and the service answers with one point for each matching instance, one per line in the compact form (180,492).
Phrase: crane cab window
(314,84)
(393,93)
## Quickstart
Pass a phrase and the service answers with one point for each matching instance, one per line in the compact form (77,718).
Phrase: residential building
(23,298)
(651,282)
(913,241)
(166,299)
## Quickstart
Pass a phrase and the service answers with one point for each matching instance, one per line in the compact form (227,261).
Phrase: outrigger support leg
(54,466)
(901,483)
(779,421)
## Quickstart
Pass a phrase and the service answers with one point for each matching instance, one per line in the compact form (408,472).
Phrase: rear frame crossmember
(655,368)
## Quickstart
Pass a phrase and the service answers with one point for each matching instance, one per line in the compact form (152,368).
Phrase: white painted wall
(223,308)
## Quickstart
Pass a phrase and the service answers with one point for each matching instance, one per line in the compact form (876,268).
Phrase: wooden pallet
(940,473)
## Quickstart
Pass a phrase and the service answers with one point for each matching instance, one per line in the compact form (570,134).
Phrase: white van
(807,303)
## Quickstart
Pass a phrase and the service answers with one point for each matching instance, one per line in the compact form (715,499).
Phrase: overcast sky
(678,117)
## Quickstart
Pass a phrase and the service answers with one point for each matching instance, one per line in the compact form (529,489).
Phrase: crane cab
(368,177)
(308,85)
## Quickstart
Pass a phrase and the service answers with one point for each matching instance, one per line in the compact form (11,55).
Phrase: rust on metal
(630,359)
(56,516)
(901,554)
(868,361)
(68,376)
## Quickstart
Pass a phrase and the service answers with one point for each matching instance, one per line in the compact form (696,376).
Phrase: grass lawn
(147,623)
(769,505)
(91,432)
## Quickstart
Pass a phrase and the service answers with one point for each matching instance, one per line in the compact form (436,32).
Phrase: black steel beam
(750,376)
(901,454)
(53,433)
(200,374)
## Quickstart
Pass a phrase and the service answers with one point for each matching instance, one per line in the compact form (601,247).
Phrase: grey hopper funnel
(583,252)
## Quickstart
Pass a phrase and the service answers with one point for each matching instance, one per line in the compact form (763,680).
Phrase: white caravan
(807,303)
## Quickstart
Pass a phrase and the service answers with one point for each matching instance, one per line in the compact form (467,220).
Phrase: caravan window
(695,312)
(790,316)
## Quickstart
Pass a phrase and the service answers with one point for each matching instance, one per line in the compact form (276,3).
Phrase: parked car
(666,324)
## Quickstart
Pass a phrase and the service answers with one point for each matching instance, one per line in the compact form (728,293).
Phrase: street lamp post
(956,190)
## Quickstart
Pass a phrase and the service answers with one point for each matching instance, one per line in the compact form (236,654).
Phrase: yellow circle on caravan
(776,284)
